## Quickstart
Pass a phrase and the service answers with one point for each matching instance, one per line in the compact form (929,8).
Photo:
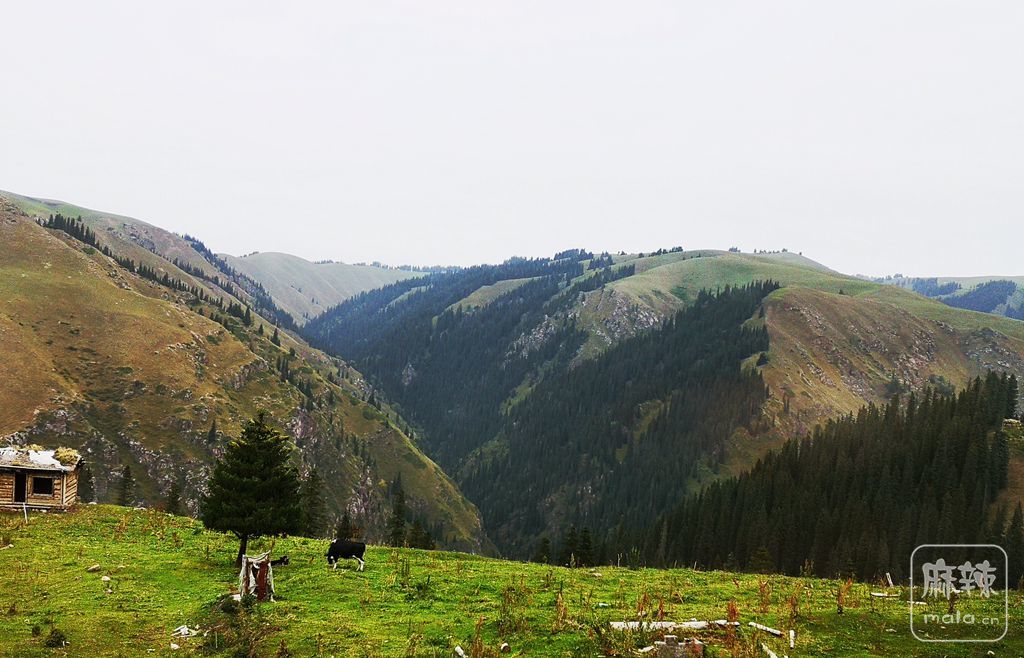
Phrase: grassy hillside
(306,289)
(998,295)
(131,238)
(835,344)
(836,341)
(167,571)
(135,373)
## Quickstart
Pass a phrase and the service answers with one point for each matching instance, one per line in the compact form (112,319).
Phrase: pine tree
(419,537)
(396,525)
(543,553)
(173,502)
(211,436)
(586,549)
(1011,397)
(344,529)
(314,508)
(567,554)
(1015,548)
(126,491)
(254,489)
(86,489)
(276,339)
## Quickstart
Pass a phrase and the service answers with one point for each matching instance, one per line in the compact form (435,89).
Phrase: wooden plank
(71,488)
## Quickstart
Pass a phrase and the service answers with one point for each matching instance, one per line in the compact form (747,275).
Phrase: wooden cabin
(38,479)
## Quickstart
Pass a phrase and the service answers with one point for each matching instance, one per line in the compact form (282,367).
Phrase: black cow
(344,549)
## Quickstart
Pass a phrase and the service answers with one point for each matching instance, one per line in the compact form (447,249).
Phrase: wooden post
(261,579)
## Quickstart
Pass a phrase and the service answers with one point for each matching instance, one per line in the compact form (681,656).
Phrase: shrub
(55,639)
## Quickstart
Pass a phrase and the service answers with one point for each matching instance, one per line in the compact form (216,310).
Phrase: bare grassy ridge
(306,289)
(167,571)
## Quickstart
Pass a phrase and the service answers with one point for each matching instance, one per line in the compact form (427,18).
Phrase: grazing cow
(282,561)
(344,549)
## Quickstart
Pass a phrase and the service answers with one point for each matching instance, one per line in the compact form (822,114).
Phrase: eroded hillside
(134,372)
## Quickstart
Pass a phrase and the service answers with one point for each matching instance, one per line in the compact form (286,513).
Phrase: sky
(873,136)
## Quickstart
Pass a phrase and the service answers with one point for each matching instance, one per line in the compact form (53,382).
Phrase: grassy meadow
(166,571)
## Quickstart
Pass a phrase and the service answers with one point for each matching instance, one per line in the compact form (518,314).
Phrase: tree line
(858,494)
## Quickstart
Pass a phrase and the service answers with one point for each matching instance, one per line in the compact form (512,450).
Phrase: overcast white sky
(874,136)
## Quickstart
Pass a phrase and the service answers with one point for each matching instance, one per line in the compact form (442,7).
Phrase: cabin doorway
(19,487)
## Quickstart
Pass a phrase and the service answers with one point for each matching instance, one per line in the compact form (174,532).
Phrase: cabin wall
(63,495)
(6,487)
(53,499)
(70,488)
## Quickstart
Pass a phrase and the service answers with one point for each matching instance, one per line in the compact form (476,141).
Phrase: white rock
(105,579)
(174,646)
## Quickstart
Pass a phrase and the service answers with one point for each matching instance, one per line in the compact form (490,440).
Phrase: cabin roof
(64,460)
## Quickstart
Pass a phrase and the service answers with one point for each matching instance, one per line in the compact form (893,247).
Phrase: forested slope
(141,364)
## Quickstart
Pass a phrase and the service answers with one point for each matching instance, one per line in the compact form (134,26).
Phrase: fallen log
(767,629)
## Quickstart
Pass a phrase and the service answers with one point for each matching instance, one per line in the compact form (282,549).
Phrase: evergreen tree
(419,536)
(254,489)
(314,507)
(1015,548)
(569,552)
(585,558)
(344,529)
(86,489)
(211,436)
(173,502)
(396,524)
(126,490)
(275,339)
(855,494)
(543,553)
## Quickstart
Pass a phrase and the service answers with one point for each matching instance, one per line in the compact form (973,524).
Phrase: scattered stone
(94,568)
(174,647)
(671,647)
(504,648)
(460,652)
(693,624)
(105,579)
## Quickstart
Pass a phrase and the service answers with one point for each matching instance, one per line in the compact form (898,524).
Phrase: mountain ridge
(134,371)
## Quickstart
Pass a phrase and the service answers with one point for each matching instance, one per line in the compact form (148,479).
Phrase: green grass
(484,295)
(167,571)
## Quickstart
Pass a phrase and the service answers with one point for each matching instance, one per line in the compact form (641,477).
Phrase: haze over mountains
(588,390)
(306,289)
